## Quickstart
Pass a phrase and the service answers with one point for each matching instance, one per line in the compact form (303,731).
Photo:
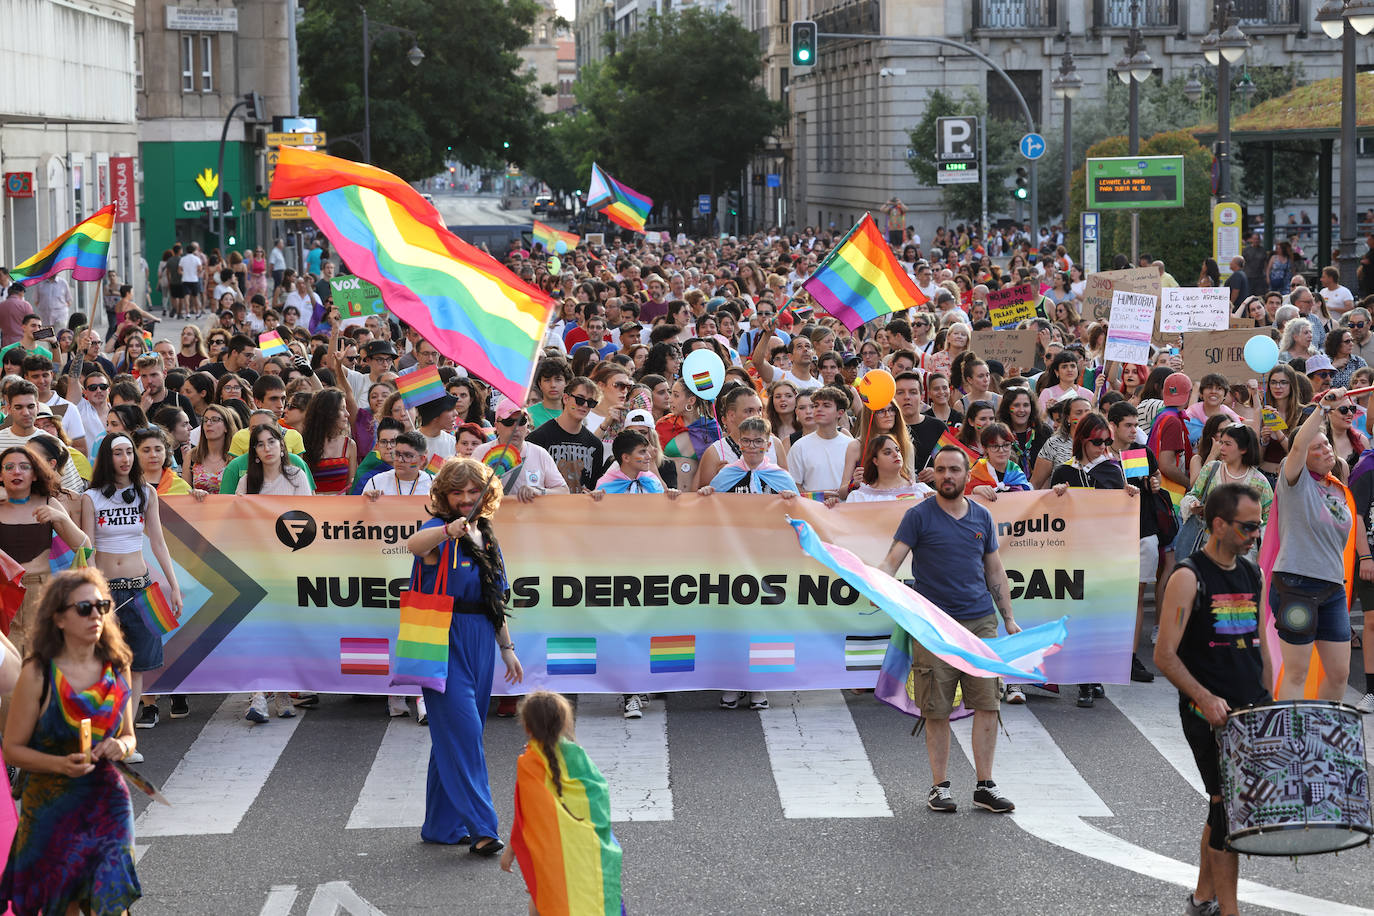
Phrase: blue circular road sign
(1032,146)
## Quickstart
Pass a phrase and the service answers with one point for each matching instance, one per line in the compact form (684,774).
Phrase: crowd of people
(100,427)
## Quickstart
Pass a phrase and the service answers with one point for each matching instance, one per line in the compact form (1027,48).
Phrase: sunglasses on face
(1359,325)
(621,386)
(97,387)
(580,401)
(1247,528)
(86,608)
(517,420)
(1348,410)
(1103,442)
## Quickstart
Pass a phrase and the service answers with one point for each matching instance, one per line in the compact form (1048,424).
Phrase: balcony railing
(1154,14)
(1008,15)
(1267,12)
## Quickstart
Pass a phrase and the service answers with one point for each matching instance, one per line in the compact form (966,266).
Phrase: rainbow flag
(156,612)
(949,440)
(669,654)
(702,381)
(860,279)
(1135,463)
(502,458)
(622,204)
(271,344)
(435,463)
(549,237)
(569,857)
(62,557)
(420,387)
(83,249)
(474,310)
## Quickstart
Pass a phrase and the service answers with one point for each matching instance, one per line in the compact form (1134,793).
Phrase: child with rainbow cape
(561,833)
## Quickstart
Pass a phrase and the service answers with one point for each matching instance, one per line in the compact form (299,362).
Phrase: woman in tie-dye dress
(74,847)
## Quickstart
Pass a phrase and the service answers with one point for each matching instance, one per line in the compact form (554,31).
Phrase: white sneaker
(1366,705)
(1015,695)
(758,700)
(729,699)
(633,708)
(257,709)
(421,714)
(135,757)
(396,707)
(285,710)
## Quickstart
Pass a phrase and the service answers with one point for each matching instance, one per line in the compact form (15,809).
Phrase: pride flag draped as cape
(617,481)
(457,297)
(84,249)
(622,204)
(568,855)
(861,280)
(768,473)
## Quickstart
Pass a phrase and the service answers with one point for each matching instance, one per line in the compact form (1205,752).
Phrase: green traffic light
(803,54)
(1022,193)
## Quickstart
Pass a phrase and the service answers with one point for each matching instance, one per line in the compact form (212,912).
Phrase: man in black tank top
(1210,647)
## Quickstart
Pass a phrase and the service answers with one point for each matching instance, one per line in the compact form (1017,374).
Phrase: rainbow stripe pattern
(549,237)
(271,344)
(423,635)
(701,381)
(860,279)
(669,654)
(420,387)
(434,464)
(622,204)
(102,702)
(569,857)
(152,605)
(1235,614)
(474,310)
(502,458)
(949,440)
(84,249)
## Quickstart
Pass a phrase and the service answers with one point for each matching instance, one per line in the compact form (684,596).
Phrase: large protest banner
(634,594)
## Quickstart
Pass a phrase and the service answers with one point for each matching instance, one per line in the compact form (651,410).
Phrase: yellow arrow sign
(208,182)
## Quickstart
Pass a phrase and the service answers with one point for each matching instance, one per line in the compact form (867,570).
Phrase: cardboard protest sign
(595,239)
(356,299)
(1187,308)
(1243,322)
(1130,327)
(1097,293)
(1013,348)
(1218,351)
(1011,305)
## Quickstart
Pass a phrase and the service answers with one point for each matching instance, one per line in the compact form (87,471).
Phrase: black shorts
(177,290)
(1207,755)
(192,289)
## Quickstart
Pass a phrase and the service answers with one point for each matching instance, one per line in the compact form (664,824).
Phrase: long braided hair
(547,717)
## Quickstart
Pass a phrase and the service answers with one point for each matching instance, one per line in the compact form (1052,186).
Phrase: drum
(1294,779)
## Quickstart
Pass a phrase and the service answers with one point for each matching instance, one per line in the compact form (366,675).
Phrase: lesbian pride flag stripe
(361,655)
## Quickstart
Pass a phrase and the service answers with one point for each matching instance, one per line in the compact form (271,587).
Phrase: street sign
(957,173)
(288,211)
(1135,183)
(703,203)
(1032,146)
(319,138)
(1088,231)
(956,139)
(772,181)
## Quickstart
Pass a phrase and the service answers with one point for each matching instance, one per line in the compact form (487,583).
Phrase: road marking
(339,897)
(280,899)
(140,850)
(1153,710)
(394,793)
(220,776)
(819,762)
(632,755)
(1052,798)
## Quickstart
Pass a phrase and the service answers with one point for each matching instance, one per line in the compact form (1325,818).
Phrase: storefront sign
(122,169)
(19,184)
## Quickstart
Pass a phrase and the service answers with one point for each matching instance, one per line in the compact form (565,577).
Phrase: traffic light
(505,144)
(732,201)
(804,43)
(1022,177)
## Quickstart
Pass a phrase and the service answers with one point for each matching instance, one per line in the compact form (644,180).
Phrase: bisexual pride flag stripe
(364,655)
(772,654)
(571,654)
(865,653)
(668,654)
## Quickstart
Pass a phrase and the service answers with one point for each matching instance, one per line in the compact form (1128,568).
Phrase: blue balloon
(560,246)
(703,373)
(1261,353)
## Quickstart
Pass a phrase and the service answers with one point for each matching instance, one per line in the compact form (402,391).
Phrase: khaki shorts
(21,628)
(933,681)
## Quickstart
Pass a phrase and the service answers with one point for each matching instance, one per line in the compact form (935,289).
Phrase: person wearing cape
(752,473)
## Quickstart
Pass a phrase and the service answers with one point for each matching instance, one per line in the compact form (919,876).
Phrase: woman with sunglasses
(118,512)
(74,848)
(1340,347)
(1346,441)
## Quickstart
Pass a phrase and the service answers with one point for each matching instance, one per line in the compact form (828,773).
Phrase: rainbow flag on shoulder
(860,279)
(84,249)
(622,204)
(549,237)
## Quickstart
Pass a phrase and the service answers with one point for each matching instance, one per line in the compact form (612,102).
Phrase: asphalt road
(473,210)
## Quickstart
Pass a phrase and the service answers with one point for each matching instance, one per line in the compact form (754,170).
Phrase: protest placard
(1014,348)
(595,239)
(1218,351)
(356,300)
(1097,293)
(1011,305)
(1243,322)
(1188,308)
(1130,327)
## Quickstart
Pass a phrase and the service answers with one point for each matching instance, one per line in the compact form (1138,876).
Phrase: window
(782,12)
(207,62)
(138,63)
(1003,104)
(188,72)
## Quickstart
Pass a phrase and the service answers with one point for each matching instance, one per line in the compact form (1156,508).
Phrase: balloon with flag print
(703,373)
(876,389)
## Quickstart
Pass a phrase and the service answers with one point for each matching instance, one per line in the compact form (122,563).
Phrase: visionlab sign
(123,190)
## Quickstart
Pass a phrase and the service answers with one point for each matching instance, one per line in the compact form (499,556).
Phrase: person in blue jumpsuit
(458,805)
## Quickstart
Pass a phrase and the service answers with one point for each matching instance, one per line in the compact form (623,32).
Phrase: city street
(476,210)
(814,806)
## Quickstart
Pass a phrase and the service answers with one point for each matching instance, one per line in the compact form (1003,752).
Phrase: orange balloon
(876,389)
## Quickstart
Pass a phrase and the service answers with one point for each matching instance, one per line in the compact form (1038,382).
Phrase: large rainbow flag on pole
(456,296)
(861,280)
(622,204)
(549,237)
(84,249)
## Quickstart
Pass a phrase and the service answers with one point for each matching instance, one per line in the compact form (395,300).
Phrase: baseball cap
(640,417)
(506,407)
(1177,388)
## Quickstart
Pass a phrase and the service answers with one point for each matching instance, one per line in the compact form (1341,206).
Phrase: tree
(964,201)
(677,110)
(468,93)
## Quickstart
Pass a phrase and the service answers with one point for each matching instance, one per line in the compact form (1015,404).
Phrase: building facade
(540,56)
(66,123)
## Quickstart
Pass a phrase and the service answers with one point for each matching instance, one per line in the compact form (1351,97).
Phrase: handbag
(1192,534)
(422,640)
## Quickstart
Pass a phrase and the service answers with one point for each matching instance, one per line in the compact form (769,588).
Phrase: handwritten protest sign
(1186,308)
(1130,327)
(1218,351)
(1097,293)
(1011,305)
(1013,348)
(356,300)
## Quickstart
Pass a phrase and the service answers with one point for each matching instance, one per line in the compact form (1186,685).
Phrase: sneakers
(135,757)
(1015,695)
(940,799)
(990,798)
(506,707)
(305,700)
(1085,696)
(285,709)
(633,709)
(181,708)
(1193,907)
(1139,672)
(257,709)
(1366,705)
(758,700)
(147,715)
(729,699)
(396,707)
(421,714)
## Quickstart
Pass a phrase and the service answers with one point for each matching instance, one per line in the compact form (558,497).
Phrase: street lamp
(1223,46)
(1066,85)
(1346,20)
(414,55)
(1133,69)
